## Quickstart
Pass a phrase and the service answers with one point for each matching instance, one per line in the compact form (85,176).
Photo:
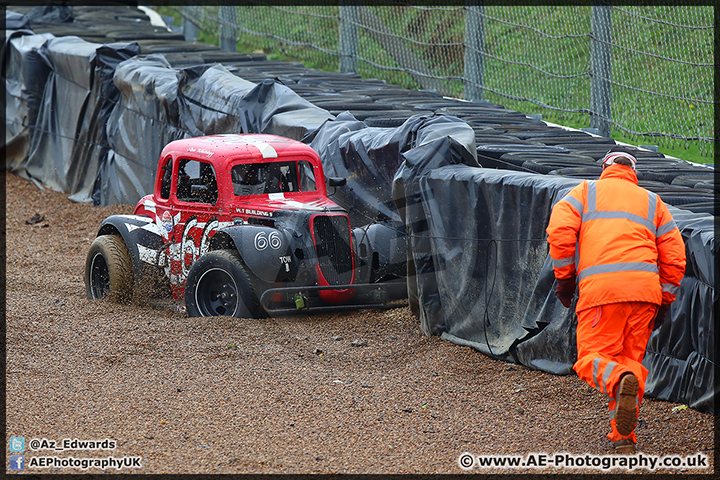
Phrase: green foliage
(537,60)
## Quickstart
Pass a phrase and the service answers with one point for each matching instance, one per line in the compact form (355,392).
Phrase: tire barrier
(696,180)
(666,173)
(485,138)
(547,166)
(388,113)
(589,172)
(577,140)
(88,116)
(553,159)
(678,195)
(486,281)
(709,207)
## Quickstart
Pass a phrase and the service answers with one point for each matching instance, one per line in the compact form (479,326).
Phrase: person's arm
(562,230)
(671,253)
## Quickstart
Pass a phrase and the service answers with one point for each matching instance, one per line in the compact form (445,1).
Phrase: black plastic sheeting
(143,121)
(369,158)
(59,96)
(484,278)
(681,355)
(90,119)
(25,75)
(159,104)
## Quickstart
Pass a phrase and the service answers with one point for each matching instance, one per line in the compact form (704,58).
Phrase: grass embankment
(513,33)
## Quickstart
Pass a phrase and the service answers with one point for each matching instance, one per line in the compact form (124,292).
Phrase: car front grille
(333,245)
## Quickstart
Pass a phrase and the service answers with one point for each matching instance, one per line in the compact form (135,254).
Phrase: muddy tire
(218,285)
(109,270)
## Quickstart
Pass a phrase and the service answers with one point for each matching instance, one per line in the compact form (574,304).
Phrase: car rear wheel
(108,269)
(218,285)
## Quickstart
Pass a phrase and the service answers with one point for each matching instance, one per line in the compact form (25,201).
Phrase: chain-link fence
(645,72)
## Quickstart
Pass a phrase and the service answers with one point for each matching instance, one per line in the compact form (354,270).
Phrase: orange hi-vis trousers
(611,340)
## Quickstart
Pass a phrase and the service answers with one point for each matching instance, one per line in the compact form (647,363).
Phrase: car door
(195,216)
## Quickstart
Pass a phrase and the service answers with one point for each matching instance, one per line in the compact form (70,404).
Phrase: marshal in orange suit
(619,243)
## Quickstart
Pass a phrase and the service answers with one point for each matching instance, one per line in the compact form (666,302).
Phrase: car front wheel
(108,269)
(218,285)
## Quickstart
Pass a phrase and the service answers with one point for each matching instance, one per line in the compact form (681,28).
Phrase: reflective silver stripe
(617,267)
(592,196)
(606,374)
(563,262)
(669,288)
(612,413)
(652,207)
(596,365)
(574,202)
(666,228)
(593,214)
(626,215)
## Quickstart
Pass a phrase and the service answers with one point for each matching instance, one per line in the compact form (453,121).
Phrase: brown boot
(624,446)
(625,407)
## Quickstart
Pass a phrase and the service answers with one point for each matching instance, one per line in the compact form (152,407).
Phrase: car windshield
(274,177)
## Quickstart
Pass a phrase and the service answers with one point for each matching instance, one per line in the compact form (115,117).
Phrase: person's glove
(565,291)
(660,315)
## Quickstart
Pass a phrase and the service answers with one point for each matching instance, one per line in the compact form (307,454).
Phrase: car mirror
(336,181)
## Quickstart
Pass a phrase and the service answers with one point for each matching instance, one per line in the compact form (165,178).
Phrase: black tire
(340,105)
(587,172)
(497,150)
(363,114)
(547,165)
(693,179)
(385,122)
(519,158)
(568,140)
(710,207)
(218,285)
(109,270)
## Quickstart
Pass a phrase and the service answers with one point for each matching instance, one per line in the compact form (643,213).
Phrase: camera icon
(17,444)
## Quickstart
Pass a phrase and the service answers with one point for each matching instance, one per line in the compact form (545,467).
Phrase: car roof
(220,149)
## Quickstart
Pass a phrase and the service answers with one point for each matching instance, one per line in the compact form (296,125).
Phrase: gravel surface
(360,392)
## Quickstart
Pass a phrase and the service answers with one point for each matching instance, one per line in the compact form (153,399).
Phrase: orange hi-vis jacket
(619,239)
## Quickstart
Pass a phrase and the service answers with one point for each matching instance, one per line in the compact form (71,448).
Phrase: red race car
(241,225)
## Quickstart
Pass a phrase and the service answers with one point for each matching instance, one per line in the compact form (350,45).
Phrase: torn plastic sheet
(160,104)
(209,102)
(370,157)
(144,120)
(217,101)
(484,278)
(65,96)
(476,236)
(25,77)
(681,354)
(92,143)
(57,87)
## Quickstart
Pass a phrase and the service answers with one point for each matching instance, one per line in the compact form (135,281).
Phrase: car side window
(196,182)
(306,177)
(166,179)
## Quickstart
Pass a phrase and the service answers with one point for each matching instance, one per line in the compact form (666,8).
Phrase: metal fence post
(474,48)
(348,38)
(189,29)
(601,69)
(228,27)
